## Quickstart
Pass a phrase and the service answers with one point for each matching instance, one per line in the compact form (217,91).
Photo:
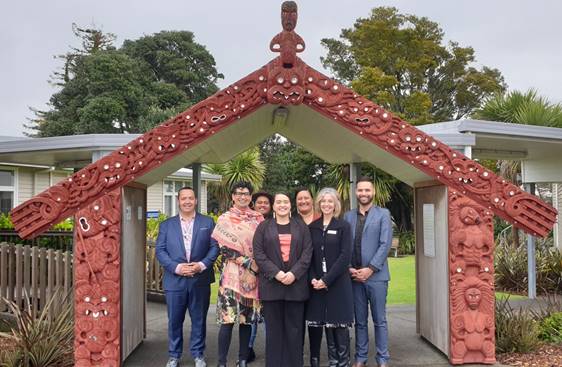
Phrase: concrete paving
(406,347)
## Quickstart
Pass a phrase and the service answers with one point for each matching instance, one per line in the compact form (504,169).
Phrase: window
(171,188)
(7,190)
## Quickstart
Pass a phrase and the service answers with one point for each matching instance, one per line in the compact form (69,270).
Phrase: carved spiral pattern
(97,297)
(471,281)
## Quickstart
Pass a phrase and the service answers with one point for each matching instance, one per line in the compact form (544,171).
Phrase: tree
(247,166)
(400,62)
(175,58)
(106,90)
(289,167)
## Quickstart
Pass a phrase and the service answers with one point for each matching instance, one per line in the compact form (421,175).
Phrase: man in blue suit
(372,238)
(187,252)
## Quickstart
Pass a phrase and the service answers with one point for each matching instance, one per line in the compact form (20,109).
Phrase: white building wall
(25,183)
(41,182)
(155,197)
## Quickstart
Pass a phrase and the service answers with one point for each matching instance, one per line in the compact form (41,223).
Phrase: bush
(511,267)
(152,225)
(406,243)
(516,331)
(551,328)
(5,221)
(42,340)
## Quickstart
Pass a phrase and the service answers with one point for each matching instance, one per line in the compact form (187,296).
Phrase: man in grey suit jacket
(372,237)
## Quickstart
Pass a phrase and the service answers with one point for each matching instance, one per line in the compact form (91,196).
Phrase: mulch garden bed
(548,355)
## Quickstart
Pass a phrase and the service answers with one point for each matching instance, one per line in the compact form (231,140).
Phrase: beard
(364,200)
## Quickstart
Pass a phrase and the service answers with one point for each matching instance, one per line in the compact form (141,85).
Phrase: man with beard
(372,238)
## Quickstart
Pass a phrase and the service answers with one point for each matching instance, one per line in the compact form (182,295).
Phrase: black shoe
(332,348)
(314,362)
(251,355)
(221,365)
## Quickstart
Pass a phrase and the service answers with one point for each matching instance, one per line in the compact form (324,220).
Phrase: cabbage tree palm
(247,166)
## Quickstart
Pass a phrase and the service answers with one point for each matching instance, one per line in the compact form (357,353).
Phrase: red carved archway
(93,196)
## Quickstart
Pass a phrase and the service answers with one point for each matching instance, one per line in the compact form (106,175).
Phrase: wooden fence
(34,275)
(57,240)
(154,271)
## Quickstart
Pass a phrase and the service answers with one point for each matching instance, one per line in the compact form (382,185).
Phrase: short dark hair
(264,194)
(187,188)
(365,179)
(242,185)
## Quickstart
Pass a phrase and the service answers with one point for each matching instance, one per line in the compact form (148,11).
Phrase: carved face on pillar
(469,215)
(289,15)
(473,297)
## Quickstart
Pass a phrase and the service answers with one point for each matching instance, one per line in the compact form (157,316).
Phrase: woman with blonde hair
(330,306)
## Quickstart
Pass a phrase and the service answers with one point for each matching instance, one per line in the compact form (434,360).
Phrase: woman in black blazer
(282,250)
(331,301)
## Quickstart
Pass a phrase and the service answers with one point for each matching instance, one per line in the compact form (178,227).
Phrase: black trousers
(284,333)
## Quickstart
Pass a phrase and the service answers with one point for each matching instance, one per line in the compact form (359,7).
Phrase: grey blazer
(376,240)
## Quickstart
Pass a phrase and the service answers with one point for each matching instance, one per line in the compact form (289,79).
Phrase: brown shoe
(359,364)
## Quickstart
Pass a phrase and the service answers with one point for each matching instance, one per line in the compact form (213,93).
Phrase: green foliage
(152,226)
(289,167)
(401,62)
(5,221)
(551,328)
(247,166)
(41,340)
(126,90)
(175,58)
(516,331)
(521,108)
(511,267)
(406,243)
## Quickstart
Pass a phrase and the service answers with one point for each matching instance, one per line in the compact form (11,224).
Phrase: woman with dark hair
(282,249)
(305,206)
(262,202)
(330,306)
(237,301)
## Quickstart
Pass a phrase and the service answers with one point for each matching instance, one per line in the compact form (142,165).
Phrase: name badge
(331,231)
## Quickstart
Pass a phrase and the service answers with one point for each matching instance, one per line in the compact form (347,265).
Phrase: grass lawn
(402,287)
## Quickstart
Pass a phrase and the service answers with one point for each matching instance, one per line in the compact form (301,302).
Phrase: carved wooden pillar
(471,276)
(97,271)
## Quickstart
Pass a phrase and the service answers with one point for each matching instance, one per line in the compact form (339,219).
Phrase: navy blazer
(376,240)
(170,251)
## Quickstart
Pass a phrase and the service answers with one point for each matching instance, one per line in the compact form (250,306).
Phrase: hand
(239,260)
(288,279)
(185,270)
(280,276)
(352,272)
(363,274)
(195,268)
(319,284)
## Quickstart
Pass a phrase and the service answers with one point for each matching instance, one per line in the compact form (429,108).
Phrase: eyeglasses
(238,193)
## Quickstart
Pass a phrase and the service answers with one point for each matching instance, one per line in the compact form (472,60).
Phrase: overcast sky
(522,39)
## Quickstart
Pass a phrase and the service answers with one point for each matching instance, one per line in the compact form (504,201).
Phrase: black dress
(331,307)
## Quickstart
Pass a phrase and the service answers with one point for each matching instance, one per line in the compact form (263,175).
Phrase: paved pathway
(406,347)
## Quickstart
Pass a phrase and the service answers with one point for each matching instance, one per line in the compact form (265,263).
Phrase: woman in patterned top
(282,249)
(237,301)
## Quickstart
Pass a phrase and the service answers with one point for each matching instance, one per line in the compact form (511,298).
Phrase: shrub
(42,340)
(406,243)
(5,221)
(516,331)
(551,328)
(152,225)
(511,267)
